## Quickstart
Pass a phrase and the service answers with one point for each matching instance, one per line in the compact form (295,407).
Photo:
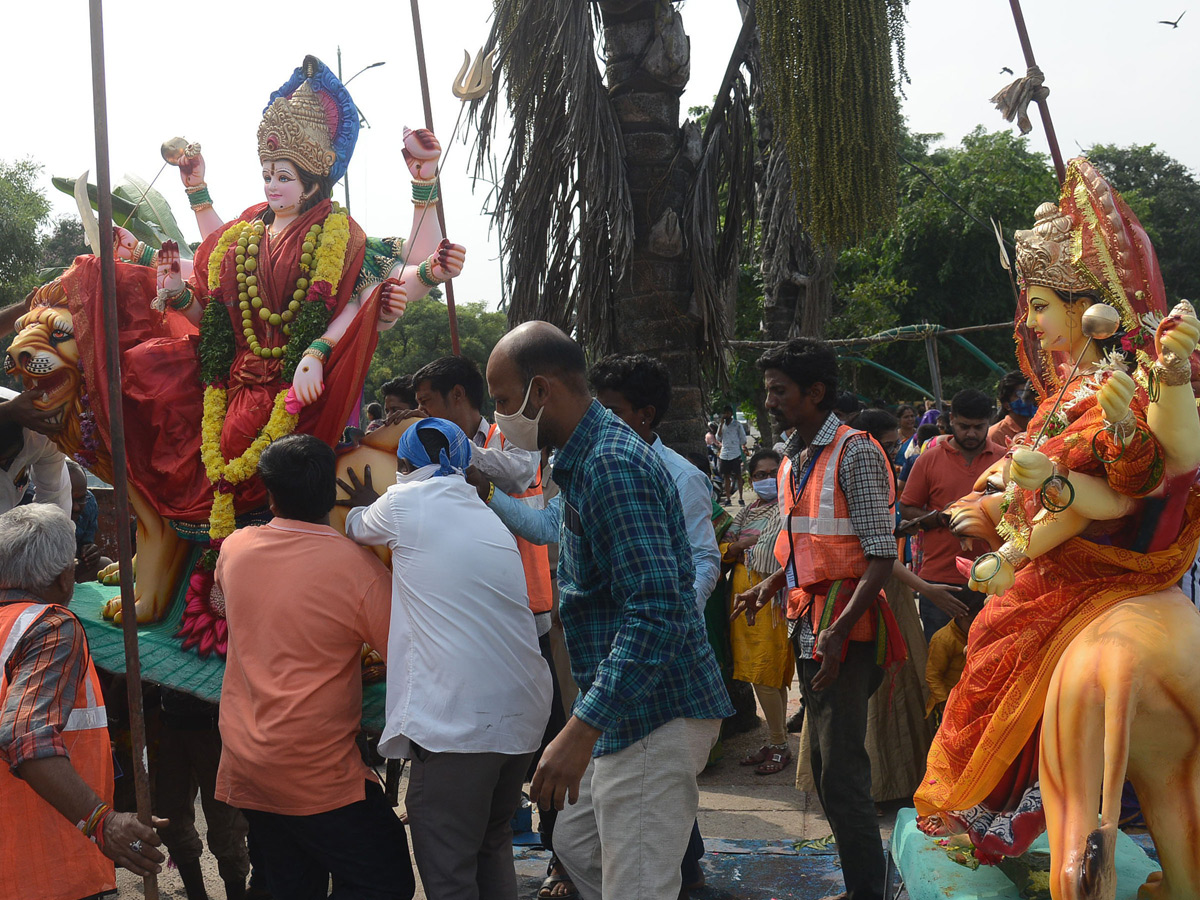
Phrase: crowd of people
(815,578)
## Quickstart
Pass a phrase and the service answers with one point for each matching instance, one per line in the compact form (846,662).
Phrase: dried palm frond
(563,203)
(720,206)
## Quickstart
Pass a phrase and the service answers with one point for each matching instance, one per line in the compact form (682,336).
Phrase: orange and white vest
(817,544)
(534,557)
(42,855)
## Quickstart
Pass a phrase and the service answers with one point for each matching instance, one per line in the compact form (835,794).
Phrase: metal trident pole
(108,281)
(441,212)
(1043,107)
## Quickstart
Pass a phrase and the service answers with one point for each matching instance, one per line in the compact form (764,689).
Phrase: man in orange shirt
(301,600)
(946,472)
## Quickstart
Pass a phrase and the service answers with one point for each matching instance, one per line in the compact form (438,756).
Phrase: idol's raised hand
(448,260)
(421,153)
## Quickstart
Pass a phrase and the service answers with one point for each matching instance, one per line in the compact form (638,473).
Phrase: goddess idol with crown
(270,328)
(1092,520)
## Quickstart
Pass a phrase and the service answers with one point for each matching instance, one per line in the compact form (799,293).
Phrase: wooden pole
(108,282)
(441,212)
(1043,107)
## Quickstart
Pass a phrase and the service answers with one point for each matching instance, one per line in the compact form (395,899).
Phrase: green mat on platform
(164,661)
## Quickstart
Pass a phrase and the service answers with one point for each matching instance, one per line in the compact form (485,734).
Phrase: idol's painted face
(1055,323)
(283,187)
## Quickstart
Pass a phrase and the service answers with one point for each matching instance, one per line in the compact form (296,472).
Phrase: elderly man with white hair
(59,835)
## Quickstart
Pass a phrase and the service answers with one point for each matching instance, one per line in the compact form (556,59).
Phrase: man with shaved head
(623,769)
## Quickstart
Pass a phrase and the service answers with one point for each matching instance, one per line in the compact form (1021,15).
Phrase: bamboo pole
(441,212)
(108,281)
(918,333)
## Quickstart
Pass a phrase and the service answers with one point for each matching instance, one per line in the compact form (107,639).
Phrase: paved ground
(762,816)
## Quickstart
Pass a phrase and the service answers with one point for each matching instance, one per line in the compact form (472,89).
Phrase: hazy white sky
(205,71)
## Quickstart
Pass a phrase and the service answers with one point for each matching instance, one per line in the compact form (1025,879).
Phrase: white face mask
(765,488)
(517,429)
(424,473)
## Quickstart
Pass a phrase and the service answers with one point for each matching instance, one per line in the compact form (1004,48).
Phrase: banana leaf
(154,208)
(124,214)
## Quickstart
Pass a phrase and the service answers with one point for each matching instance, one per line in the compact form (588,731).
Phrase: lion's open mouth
(56,389)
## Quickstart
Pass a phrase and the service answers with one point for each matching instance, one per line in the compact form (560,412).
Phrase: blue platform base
(929,874)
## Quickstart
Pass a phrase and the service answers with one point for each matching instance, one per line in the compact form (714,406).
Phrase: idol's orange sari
(983,761)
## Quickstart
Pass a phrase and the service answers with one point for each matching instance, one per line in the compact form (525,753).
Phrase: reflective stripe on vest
(46,858)
(818,542)
(535,558)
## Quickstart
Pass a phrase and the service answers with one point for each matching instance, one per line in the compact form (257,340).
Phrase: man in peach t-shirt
(301,600)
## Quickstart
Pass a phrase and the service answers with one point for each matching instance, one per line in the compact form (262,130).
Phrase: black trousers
(558,718)
(363,846)
(841,766)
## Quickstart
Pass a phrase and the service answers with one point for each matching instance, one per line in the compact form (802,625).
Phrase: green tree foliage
(940,262)
(23,212)
(423,335)
(1165,194)
(65,241)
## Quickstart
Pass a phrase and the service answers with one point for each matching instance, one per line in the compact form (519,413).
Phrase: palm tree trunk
(648,65)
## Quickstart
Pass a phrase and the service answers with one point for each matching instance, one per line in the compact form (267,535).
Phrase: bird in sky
(1174,24)
(1006,69)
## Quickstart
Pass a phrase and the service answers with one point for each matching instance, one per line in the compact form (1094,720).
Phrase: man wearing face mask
(623,770)
(1018,403)
(468,691)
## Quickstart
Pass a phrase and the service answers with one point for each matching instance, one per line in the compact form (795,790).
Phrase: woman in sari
(1079,537)
(762,654)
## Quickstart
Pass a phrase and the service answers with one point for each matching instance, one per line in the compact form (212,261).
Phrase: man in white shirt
(733,443)
(29,457)
(468,694)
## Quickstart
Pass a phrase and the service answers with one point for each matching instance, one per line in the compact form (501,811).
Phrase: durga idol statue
(269,329)
(1073,678)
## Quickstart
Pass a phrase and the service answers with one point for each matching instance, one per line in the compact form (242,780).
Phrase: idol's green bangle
(146,254)
(424,194)
(426,276)
(198,197)
(182,300)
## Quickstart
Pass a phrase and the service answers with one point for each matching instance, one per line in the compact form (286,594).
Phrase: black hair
(700,461)
(402,387)
(875,422)
(926,432)
(905,407)
(971,404)
(727,408)
(299,471)
(352,434)
(434,443)
(759,456)
(549,351)
(846,402)
(1009,386)
(308,180)
(638,378)
(449,372)
(374,411)
(806,362)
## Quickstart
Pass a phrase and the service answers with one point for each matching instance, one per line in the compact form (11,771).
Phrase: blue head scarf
(454,462)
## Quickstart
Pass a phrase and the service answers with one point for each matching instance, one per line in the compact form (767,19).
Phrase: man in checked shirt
(836,550)
(651,697)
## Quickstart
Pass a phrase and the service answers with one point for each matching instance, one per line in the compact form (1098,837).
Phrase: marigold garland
(227,475)
(327,263)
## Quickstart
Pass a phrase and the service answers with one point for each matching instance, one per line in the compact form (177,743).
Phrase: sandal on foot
(775,762)
(556,875)
(757,758)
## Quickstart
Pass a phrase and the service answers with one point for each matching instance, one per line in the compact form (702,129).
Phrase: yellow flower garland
(235,471)
(329,260)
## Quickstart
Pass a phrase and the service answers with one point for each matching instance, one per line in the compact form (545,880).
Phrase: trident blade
(474,80)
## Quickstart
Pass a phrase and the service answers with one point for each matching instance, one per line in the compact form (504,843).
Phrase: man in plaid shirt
(651,697)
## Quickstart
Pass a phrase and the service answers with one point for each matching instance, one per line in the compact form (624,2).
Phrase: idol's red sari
(163,396)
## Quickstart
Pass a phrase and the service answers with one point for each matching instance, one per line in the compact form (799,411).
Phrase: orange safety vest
(818,545)
(42,855)
(534,557)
